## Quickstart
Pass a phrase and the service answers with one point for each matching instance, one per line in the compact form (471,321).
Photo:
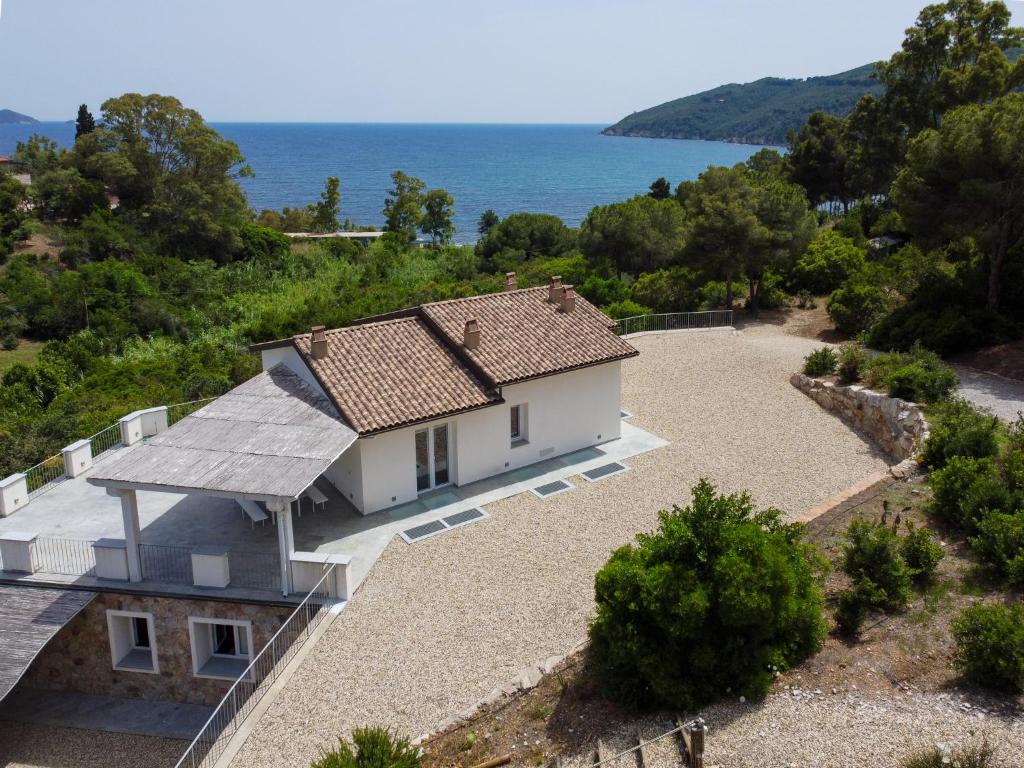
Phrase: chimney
(471,336)
(318,343)
(567,302)
(510,281)
(555,290)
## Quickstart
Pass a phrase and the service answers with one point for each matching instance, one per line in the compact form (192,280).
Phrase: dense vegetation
(762,112)
(719,599)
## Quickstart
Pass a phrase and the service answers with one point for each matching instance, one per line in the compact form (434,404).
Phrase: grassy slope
(757,113)
(26,353)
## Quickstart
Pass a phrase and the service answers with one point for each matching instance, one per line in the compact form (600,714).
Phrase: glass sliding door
(441,455)
(423,460)
(433,458)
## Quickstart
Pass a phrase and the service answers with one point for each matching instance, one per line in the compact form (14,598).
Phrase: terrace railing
(179,411)
(252,569)
(253,684)
(64,557)
(674,321)
(44,473)
(105,439)
(170,565)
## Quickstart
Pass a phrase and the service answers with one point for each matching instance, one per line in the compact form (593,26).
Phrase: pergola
(266,440)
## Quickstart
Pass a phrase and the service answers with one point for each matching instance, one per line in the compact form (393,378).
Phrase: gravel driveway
(437,625)
(1004,397)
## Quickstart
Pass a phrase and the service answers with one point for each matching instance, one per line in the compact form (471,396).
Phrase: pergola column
(132,533)
(285,541)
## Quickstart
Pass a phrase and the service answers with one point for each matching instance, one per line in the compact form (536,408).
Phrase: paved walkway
(1004,397)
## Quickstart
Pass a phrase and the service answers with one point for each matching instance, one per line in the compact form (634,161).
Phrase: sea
(560,169)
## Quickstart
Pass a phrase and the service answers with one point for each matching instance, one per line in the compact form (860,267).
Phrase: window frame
(119,652)
(521,414)
(207,625)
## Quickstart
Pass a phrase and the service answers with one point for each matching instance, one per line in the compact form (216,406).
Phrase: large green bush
(918,375)
(829,260)
(958,428)
(1000,543)
(820,362)
(872,554)
(714,601)
(966,489)
(370,748)
(857,305)
(853,361)
(990,645)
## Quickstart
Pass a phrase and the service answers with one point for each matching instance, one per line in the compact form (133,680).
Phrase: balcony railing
(674,321)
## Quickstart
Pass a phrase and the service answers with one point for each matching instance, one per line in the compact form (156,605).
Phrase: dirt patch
(808,323)
(1002,360)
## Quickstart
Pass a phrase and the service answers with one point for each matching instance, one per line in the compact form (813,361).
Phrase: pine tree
(85,123)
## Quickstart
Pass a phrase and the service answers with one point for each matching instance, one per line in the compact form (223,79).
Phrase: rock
(529,677)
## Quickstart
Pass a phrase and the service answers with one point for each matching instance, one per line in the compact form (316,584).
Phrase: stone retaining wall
(897,426)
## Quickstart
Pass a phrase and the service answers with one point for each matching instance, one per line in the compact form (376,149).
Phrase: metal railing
(264,670)
(105,439)
(252,569)
(171,565)
(674,321)
(64,557)
(44,473)
(179,411)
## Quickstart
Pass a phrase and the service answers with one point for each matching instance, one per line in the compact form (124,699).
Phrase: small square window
(221,648)
(132,642)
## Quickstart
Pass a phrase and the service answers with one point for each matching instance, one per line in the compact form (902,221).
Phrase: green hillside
(761,112)
(9,116)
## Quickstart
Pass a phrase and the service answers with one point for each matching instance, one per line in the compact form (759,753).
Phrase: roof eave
(581,366)
(434,417)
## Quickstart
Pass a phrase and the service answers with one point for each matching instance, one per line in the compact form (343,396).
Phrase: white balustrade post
(16,549)
(77,458)
(13,493)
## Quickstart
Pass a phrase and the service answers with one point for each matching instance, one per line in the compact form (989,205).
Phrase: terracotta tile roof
(523,336)
(393,373)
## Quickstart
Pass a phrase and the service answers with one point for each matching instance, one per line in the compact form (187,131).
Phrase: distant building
(364,238)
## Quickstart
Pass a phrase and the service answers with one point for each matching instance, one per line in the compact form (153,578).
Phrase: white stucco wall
(564,413)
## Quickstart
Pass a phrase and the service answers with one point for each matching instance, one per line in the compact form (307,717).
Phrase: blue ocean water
(561,169)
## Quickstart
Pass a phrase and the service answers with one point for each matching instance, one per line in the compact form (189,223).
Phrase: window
(517,427)
(221,648)
(132,641)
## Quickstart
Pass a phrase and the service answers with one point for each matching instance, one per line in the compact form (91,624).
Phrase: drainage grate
(550,489)
(463,517)
(434,526)
(605,470)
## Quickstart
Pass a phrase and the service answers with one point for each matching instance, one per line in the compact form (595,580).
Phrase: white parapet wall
(309,567)
(77,458)
(13,494)
(145,423)
(16,551)
(111,559)
(210,567)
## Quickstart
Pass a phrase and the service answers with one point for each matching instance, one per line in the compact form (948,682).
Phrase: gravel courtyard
(438,624)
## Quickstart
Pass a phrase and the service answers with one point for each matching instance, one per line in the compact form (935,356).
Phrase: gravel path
(437,625)
(23,745)
(1004,397)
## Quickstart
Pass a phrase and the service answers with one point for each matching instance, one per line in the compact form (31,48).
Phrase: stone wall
(897,426)
(78,658)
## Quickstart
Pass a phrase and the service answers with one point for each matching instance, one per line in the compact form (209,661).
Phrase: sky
(520,61)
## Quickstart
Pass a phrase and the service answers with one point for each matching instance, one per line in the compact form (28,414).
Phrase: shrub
(625,308)
(805,300)
(856,306)
(1000,543)
(872,554)
(968,756)
(919,375)
(851,363)
(850,613)
(717,599)
(830,259)
(990,645)
(958,428)
(921,553)
(370,748)
(965,489)
(821,362)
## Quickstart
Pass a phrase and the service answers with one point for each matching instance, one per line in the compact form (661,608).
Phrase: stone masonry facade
(897,426)
(79,659)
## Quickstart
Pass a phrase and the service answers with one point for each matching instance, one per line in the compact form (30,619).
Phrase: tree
(438,209)
(954,54)
(818,161)
(38,154)
(766,161)
(403,208)
(829,260)
(660,189)
(639,235)
(723,225)
(966,179)
(488,220)
(12,209)
(874,143)
(523,237)
(84,123)
(716,600)
(324,214)
(174,175)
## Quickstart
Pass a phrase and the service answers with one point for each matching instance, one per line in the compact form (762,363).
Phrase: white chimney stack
(555,290)
(471,336)
(318,343)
